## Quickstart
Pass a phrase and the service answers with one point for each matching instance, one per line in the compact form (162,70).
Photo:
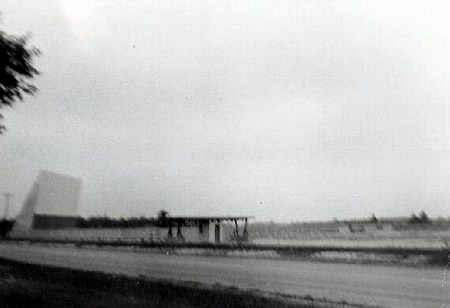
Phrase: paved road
(377,285)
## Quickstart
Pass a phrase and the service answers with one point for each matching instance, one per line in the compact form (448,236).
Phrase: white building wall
(51,194)
(211,233)
(226,231)
(58,194)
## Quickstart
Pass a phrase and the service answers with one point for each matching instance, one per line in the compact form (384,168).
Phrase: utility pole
(7,203)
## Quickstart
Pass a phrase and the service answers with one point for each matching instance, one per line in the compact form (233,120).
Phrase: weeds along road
(386,286)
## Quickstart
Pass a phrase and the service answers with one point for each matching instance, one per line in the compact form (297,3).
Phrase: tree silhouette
(414,219)
(421,219)
(5,226)
(424,217)
(374,219)
(16,70)
(162,218)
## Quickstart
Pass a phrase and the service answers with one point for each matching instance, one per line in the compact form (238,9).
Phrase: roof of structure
(207,218)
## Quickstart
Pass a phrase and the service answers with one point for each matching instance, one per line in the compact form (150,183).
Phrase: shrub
(5,226)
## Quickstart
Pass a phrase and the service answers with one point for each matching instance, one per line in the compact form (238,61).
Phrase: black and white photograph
(224,153)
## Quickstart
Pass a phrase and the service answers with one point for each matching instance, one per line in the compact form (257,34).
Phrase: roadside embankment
(25,285)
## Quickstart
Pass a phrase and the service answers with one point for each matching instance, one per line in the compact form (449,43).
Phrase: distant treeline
(108,222)
(422,218)
(123,222)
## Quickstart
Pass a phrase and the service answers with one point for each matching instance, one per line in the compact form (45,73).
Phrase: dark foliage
(422,218)
(373,219)
(16,70)
(107,222)
(162,218)
(5,226)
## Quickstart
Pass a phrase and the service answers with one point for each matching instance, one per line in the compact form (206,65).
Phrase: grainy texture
(390,286)
(25,285)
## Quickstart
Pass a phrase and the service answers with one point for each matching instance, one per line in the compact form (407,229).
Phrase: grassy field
(24,285)
(401,242)
(285,235)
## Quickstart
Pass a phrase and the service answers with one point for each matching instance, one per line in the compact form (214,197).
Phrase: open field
(431,242)
(368,285)
(411,256)
(319,242)
(269,234)
(302,234)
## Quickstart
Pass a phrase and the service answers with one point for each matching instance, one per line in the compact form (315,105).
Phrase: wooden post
(245,228)
(169,234)
(179,235)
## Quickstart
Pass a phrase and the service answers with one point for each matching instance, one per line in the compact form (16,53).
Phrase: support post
(179,235)
(170,234)
(245,228)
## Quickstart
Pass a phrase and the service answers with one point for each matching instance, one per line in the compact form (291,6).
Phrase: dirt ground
(25,286)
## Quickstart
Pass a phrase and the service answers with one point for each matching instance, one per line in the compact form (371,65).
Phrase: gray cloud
(316,109)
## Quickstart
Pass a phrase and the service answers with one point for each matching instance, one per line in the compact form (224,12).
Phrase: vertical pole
(169,234)
(179,235)
(245,228)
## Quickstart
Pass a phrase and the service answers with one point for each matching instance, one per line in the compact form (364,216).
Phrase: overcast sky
(285,110)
